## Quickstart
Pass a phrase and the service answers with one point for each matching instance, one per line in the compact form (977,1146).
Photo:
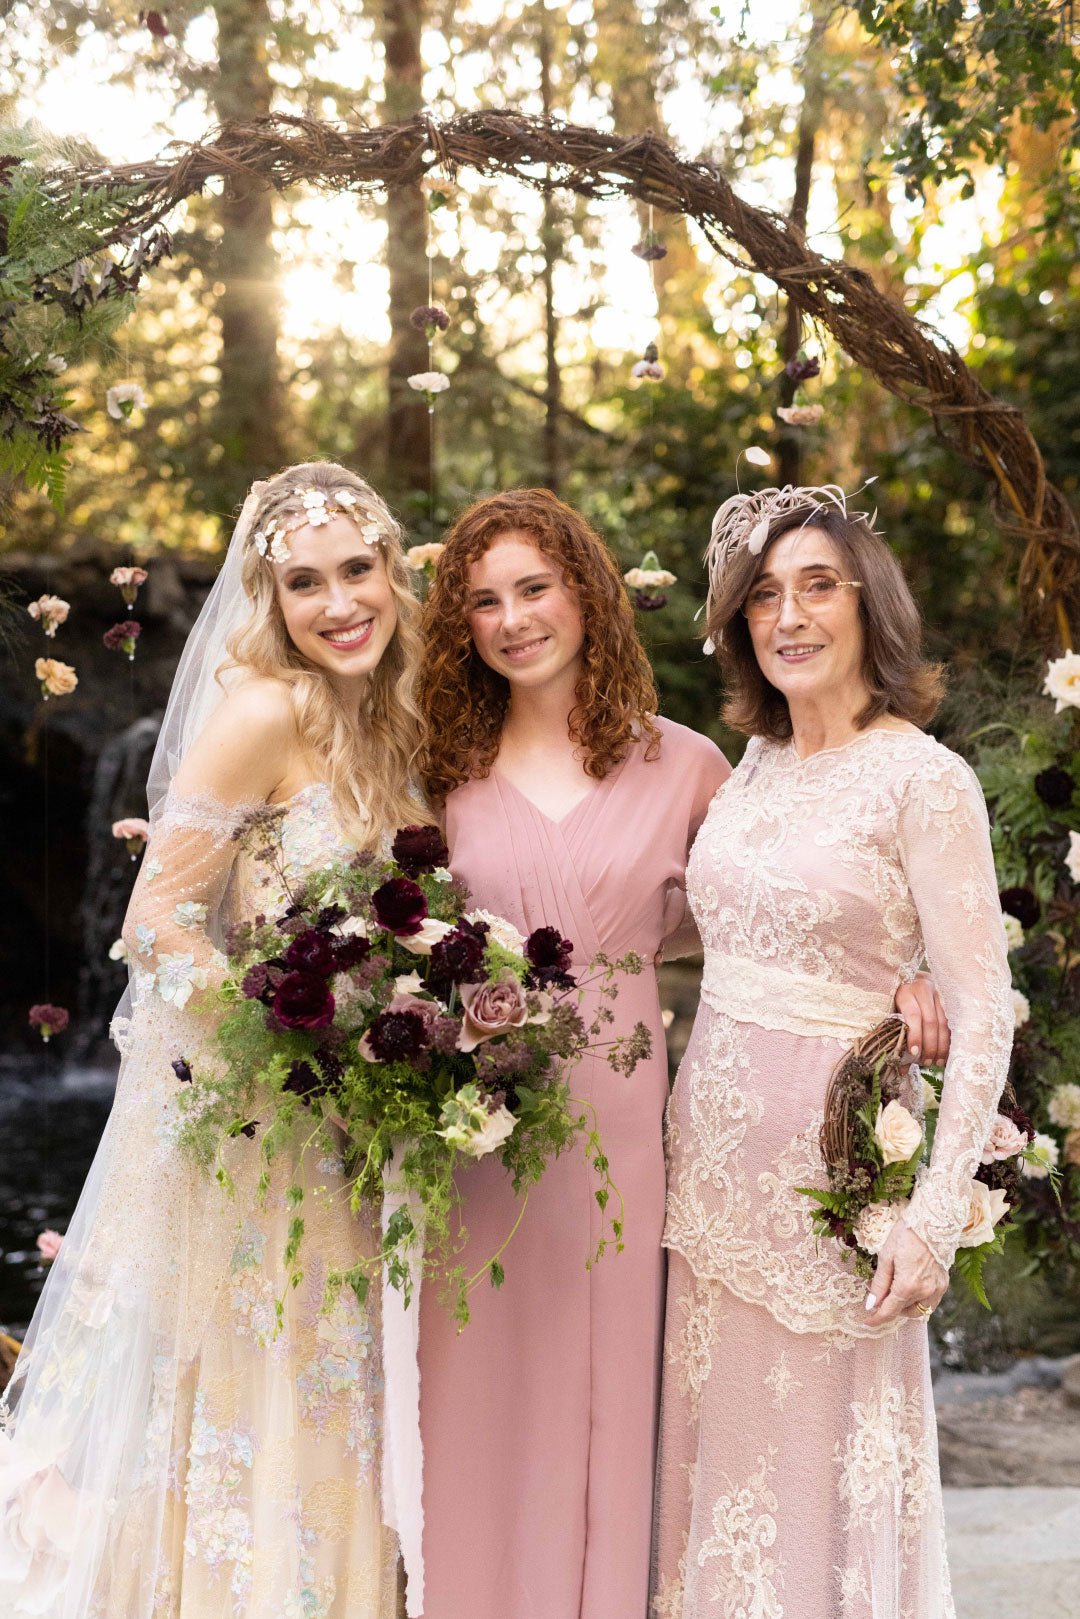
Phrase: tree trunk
(249,420)
(551,240)
(408,424)
(788,442)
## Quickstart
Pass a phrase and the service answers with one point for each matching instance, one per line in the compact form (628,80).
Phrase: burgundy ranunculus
(397,1036)
(419,848)
(311,952)
(399,906)
(350,952)
(549,954)
(458,957)
(1055,787)
(1021,903)
(304,1001)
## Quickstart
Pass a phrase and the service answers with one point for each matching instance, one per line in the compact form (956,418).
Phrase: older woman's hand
(920,1007)
(907,1276)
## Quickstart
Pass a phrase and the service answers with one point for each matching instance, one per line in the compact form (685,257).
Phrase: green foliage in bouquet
(377,1016)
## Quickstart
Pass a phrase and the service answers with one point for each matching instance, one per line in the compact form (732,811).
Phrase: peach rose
(985,1210)
(897,1132)
(57,679)
(1004,1141)
(491,1009)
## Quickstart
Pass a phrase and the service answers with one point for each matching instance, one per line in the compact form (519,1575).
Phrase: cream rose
(502,931)
(491,1134)
(1064,1109)
(1004,1141)
(491,1009)
(897,1132)
(422,943)
(800,415)
(1021,1004)
(51,610)
(875,1223)
(1046,1157)
(1063,681)
(984,1211)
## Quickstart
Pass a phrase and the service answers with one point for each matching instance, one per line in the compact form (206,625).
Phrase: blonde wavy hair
(368,762)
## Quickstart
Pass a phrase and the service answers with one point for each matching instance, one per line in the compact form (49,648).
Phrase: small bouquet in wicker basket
(880,1116)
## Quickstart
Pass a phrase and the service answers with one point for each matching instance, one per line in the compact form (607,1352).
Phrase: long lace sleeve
(170,924)
(945,844)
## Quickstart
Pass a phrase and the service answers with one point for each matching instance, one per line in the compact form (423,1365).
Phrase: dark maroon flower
(419,848)
(311,952)
(803,367)
(48,1020)
(550,955)
(249,1129)
(182,1069)
(399,906)
(430,318)
(649,248)
(647,601)
(304,1001)
(350,952)
(260,981)
(1055,786)
(398,1036)
(122,637)
(1021,903)
(155,24)
(458,958)
(310,1079)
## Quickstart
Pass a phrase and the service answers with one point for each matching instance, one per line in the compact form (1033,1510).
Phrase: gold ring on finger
(924,1309)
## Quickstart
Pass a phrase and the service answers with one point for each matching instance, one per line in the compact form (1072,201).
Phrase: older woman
(798,1474)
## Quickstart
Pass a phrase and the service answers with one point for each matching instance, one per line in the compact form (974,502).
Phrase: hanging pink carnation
(129,580)
(48,1244)
(52,611)
(122,637)
(49,1020)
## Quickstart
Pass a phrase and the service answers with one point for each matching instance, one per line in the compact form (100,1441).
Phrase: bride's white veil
(197,688)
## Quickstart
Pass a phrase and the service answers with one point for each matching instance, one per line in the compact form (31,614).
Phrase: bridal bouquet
(378,1004)
(880,1117)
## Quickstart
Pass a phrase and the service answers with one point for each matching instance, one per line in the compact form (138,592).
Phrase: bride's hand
(908,1279)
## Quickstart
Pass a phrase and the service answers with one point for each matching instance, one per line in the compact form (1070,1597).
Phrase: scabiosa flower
(549,955)
(399,906)
(1054,786)
(396,1037)
(49,1020)
(124,398)
(350,952)
(1021,903)
(430,318)
(304,1000)
(51,612)
(260,982)
(803,367)
(459,957)
(418,849)
(122,637)
(128,580)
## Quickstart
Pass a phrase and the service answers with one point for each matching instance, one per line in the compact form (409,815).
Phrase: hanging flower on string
(128,580)
(123,399)
(803,367)
(49,1020)
(648,583)
(423,558)
(57,679)
(757,457)
(801,413)
(48,1245)
(430,384)
(51,612)
(122,637)
(650,248)
(649,367)
(134,831)
(430,318)
(439,192)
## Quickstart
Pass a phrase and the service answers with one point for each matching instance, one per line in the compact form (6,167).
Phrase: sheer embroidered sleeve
(945,844)
(170,923)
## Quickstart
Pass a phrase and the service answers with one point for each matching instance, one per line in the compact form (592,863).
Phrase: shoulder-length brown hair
(464,701)
(897,678)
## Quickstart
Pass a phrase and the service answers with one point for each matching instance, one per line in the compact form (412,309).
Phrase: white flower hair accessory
(320,506)
(743,523)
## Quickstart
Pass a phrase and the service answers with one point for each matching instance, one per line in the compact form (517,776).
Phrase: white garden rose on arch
(1063,681)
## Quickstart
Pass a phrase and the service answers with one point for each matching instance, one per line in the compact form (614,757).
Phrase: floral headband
(319,508)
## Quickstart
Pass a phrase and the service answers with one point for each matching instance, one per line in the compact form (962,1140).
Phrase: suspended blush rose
(430,384)
(51,612)
(129,580)
(57,679)
(648,370)
(49,1020)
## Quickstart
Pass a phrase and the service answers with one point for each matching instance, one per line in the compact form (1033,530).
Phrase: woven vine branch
(907,356)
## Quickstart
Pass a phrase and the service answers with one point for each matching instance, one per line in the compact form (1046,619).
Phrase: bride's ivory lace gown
(798,1473)
(166,1456)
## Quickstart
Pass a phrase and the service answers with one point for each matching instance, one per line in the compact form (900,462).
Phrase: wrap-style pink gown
(539,1420)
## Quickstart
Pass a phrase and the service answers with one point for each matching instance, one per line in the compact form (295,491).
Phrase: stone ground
(1014,1552)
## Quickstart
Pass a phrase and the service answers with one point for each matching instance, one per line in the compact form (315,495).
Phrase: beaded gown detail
(166,1455)
(798,1474)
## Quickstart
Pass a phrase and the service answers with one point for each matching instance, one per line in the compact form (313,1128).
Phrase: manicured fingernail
(871,1302)
(915,1051)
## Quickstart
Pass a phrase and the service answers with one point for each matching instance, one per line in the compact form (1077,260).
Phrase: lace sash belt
(797,1003)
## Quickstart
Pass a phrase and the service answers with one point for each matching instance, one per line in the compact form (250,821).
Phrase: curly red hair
(464,702)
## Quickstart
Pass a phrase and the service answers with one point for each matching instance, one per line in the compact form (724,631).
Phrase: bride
(163,1454)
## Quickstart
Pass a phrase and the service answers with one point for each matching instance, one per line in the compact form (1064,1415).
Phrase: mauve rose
(399,906)
(491,1009)
(304,1001)
(1004,1140)
(311,952)
(419,848)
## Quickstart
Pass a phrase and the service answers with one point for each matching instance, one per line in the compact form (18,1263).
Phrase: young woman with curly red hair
(568,802)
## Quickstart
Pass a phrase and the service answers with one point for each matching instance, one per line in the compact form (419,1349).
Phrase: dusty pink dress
(539,1421)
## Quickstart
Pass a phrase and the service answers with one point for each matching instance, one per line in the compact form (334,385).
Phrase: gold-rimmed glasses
(764,602)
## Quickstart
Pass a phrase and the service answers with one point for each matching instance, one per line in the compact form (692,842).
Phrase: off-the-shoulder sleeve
(945,844)
(178,893)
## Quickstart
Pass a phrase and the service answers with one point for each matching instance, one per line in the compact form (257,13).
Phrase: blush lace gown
(162,1458)
(798,1474)
(539,1421)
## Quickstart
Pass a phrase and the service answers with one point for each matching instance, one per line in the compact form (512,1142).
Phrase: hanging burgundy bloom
(311,952)
(419,848)
(647,601)
(122,637)
(803,367)
(155,24)
(1055,787)
(430,318)
(400,907)
(304,1001)
(49,1020)
(397,1036)
(1021,903)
